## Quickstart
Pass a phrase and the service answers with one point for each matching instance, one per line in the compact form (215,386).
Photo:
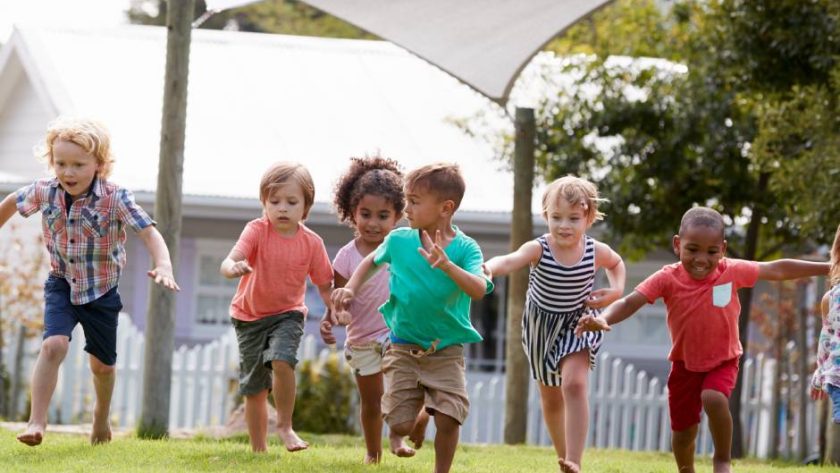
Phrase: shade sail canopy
(484,43)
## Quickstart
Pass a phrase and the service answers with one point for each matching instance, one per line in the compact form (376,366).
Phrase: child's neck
(444,226)
(363,247)
(566,255)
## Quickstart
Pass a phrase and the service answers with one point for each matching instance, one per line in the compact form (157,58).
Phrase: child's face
(375,217)
(700,248)
(284,207)
(424,209)
(567,222)
(74,167)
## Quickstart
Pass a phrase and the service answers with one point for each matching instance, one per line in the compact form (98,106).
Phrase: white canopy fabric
(484,43)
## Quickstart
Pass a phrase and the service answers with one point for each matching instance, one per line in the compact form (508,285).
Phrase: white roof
(258,98)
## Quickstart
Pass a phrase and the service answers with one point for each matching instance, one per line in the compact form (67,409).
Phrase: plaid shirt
(87,241)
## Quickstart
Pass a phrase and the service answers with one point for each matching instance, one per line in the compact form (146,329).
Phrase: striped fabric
(86,241)
(554,304)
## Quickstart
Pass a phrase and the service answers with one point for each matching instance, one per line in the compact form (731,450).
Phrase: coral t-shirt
(702,314)
(280,267)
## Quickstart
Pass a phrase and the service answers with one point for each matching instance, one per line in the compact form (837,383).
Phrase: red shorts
(685,387)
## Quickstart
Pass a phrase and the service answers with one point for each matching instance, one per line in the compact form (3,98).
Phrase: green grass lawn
(68,453)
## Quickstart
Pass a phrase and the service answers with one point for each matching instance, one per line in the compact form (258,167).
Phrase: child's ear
(449,207)
(676,243)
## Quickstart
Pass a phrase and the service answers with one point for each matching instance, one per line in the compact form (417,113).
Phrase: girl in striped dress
(563,264)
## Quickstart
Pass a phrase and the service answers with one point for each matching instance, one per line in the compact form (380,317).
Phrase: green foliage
(268,16)
(325,394)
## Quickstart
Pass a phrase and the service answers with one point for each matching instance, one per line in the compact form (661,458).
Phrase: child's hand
(600,298)
(818,394)
(343,317)
(590,323)
(341,297)
(164,277)
(240,268)
(433,252)
(326,325)
(486,271)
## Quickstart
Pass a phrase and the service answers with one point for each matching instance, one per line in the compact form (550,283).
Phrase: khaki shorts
(365,359)
(436,380)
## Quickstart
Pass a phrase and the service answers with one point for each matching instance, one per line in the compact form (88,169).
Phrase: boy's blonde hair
(834,272)
(89,134)
(575,191)
(443,179)
(282,172)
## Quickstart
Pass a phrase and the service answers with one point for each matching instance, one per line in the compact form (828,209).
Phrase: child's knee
(101,369)
(55,348)
(402,429)
(371,404)
(574,388)
(712,399)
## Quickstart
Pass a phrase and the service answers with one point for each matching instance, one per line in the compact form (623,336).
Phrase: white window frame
(217,248)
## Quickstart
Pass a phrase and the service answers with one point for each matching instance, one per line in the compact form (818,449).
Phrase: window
(213,291)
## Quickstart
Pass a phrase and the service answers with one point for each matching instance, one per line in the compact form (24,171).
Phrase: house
(254,99)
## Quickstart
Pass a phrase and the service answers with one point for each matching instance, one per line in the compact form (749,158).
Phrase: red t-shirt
(281,266)
(702,314)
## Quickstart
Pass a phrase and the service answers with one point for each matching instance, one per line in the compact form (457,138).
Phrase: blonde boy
(83,218)
(274,256)
(431,284)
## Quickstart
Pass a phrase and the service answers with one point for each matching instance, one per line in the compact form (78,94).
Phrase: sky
(60,12)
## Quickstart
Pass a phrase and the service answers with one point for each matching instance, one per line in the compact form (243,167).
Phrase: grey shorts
(276,337)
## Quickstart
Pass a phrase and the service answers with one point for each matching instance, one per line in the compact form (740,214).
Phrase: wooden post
(160,319)
(522,230)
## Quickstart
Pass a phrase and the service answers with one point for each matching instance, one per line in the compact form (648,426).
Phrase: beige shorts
(436,380)
(365,359)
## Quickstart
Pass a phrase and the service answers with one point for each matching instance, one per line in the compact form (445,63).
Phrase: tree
(723,131)
(275,16)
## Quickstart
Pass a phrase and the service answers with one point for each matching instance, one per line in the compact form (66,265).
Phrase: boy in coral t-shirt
(701,300)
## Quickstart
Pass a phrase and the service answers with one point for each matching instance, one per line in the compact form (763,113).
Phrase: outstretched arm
(608,259)
(8,207)
(235,265)
(615,313)
(341,296)
(162,271)
(527,254)
(782,269)
(474,285)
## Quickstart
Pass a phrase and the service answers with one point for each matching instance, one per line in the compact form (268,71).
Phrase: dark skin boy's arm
(616,312)
(783,269)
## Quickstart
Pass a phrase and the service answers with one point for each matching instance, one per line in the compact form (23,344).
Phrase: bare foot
(721,467)
(33,435)
(418,433)
(371,459)
(569,467)
(100,434)
(399,448)
(291,440)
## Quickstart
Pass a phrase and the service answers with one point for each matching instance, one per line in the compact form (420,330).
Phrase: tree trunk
(516,366)
(17,380)
(776,404)
(804,375)
(160,319)
(832,440)
(4,374)
(745,297)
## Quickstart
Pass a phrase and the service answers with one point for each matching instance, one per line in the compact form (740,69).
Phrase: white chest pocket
(722,294)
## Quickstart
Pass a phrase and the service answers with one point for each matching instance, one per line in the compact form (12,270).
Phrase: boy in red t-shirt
(701,300)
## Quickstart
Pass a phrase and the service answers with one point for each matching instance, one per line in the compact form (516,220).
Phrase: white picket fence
(627,409)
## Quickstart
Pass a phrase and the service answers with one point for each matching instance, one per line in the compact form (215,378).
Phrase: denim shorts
(98,318)
(272,338)
(834,395)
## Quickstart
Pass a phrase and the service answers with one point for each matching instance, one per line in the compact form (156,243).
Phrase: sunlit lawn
(332,453)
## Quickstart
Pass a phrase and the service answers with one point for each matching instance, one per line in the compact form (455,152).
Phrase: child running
(435,269)
(701,300)
(274,256)
(369,197)
(563,264)
(83,217)
(826,379)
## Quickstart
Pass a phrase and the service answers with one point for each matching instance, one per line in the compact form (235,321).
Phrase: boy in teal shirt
(428,312)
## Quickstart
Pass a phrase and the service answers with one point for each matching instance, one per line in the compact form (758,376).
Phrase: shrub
(325,396)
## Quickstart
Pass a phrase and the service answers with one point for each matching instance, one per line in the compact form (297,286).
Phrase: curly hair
(91,135)
(371,175)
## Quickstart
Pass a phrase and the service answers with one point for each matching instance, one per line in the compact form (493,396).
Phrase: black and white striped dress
(554,304)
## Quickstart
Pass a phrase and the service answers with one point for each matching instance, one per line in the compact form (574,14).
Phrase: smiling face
(566,222)
(74,167)
(700,249)
(285,207)
(374,217)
